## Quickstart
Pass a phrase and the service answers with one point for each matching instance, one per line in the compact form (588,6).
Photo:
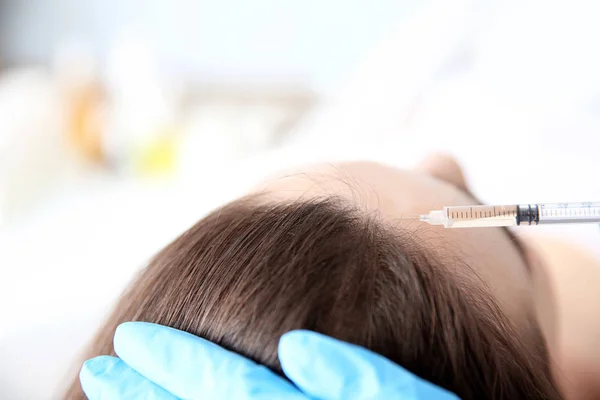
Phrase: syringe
(514,215)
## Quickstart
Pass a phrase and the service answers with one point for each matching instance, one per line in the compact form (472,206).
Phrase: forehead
(395,194)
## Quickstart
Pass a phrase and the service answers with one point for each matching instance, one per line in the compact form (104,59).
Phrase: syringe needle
(416,216)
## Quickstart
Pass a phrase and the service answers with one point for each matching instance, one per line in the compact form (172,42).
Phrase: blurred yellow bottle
(157,156)
(84,124)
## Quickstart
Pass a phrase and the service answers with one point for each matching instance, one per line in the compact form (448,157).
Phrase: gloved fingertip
(301,341)
(300,337)
(132,335)
(131,329)
(299,352)
(98,365)
(92,373)
(292,347)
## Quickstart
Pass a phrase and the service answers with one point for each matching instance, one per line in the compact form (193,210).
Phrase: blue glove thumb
(328,369)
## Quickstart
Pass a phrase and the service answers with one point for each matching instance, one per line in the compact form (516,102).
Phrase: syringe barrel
(569,213)
(480,216)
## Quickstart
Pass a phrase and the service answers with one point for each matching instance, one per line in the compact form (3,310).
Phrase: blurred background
(124,122)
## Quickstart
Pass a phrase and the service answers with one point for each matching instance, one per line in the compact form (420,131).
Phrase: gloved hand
(162,363)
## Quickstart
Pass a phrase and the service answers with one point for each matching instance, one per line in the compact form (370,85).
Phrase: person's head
(328,250)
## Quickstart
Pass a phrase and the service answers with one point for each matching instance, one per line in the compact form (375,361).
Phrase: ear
(444,167)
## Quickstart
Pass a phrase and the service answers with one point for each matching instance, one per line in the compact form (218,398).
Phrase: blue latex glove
(157,362)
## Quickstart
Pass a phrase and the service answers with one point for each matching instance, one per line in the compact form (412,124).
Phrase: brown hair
(253,270)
